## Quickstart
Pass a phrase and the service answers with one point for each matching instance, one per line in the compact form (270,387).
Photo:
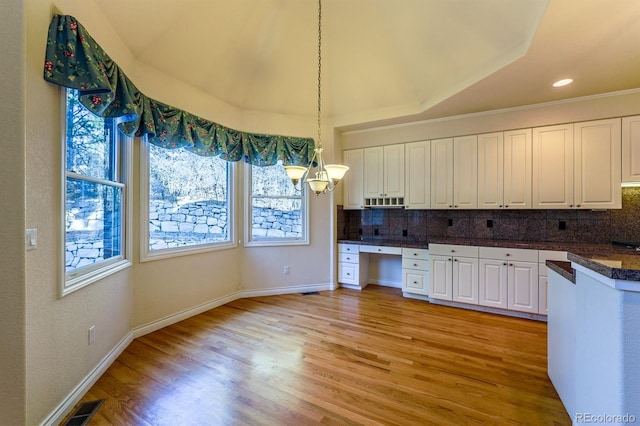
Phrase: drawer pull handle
(415,264)
(379,249)
(508,254)
(415,254)
(415,282)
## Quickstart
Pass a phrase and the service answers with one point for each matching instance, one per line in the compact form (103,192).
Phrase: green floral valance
(73,59)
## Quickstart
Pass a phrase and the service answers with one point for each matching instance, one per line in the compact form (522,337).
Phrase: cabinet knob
(455,260)
(506,206)
(505,264)
(578,205)
(348,258)
(500,206)
(415,282)
(453,251)
(508,254)
(450,206)
(379,249)
(415,254)
(570,205)
(455,207)
(348,274)
(415,264)
(449,259)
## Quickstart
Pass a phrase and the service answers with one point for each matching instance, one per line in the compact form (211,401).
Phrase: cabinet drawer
(501,253)
(381,250)
(453,250)
(419,264)
(544,255)
(348,273)
(414,282)
(411,253)
(349,257)
(348,248)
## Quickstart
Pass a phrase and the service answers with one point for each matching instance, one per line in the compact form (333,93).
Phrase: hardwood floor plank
(335,358)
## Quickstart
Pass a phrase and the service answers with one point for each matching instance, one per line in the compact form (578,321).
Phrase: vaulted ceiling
(385,61)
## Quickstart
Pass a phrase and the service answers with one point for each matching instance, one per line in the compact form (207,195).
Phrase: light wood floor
(342,357)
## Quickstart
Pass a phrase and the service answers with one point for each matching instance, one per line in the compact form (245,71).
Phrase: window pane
(93,223)
(188,199)
(276,218)
(89,145)
(271,180)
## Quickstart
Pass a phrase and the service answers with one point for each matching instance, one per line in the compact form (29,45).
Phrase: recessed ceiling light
(563,82)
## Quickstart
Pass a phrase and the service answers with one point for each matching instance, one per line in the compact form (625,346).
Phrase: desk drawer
(381,250)
(413,253)
(348,273)
(422,265)
(349,257)
(348,248)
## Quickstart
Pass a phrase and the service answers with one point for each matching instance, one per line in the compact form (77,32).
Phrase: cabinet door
(490,171)
(442,174)
(522,291)
(374,172)
(631,149)
(517,169)
(440,278)
(597,157)
(465,172)
(465,280)
(352,191)
(417,175)
(553,167)
(543,307)
(393,165)
(492,283)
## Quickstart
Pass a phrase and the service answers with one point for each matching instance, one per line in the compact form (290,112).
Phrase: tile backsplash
(571,226)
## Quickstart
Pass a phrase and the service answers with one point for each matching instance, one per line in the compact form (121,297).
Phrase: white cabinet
(417,175)
(553,167)
(454,172)
(577,165)
(384,175)
(415,271)
(353,189)
(597,150)
(453,273)
(543,276)
(509,278)
(504,170)
(631,149)
(353,269)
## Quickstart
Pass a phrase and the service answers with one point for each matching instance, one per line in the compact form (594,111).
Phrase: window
(188,203)
(276,210)
(95,204)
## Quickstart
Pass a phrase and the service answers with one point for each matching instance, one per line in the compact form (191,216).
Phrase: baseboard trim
(89,380)
(72,399)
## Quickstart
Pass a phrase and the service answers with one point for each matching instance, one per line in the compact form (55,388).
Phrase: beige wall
(56,355)
(12,255)
(589,108)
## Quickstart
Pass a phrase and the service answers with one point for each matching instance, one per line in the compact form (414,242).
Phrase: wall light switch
(31,239)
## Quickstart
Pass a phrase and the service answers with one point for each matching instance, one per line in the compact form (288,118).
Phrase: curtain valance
(74,60)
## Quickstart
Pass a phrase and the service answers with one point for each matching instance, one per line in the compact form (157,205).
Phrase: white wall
(12,255)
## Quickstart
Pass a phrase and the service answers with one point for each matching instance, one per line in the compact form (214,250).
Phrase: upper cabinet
(597,160)
(353,189)
(577,165)
(454,169)
(417,175)
(631,149)
(504,170)
(553,167)
(384,175)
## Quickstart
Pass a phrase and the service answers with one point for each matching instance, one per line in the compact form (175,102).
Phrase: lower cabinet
(353,269)
(543,276)
(415,271)
(453,273)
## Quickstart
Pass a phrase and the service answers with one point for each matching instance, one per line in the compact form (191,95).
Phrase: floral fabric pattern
(73,59)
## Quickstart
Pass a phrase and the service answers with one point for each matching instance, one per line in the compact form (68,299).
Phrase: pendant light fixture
(322,178)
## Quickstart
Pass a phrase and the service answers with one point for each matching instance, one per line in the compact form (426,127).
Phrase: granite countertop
(563,268)
(612,262)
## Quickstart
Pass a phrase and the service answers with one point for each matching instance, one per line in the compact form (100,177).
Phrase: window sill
(76,283)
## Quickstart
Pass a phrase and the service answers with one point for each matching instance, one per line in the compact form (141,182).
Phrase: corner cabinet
(384,175)
(631,149)
(353,189)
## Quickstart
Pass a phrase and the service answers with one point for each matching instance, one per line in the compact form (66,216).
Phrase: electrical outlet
(285,269)
(92,334)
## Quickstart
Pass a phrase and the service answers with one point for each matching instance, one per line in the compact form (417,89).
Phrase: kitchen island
(594,335)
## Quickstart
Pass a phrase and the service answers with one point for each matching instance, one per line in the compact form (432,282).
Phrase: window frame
(70,282)
(273,242)
(147,255)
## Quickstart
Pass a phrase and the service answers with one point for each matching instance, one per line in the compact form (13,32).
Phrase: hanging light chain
(319,72)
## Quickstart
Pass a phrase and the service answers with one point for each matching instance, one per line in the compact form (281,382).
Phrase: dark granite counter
(607,260)
(562,268)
